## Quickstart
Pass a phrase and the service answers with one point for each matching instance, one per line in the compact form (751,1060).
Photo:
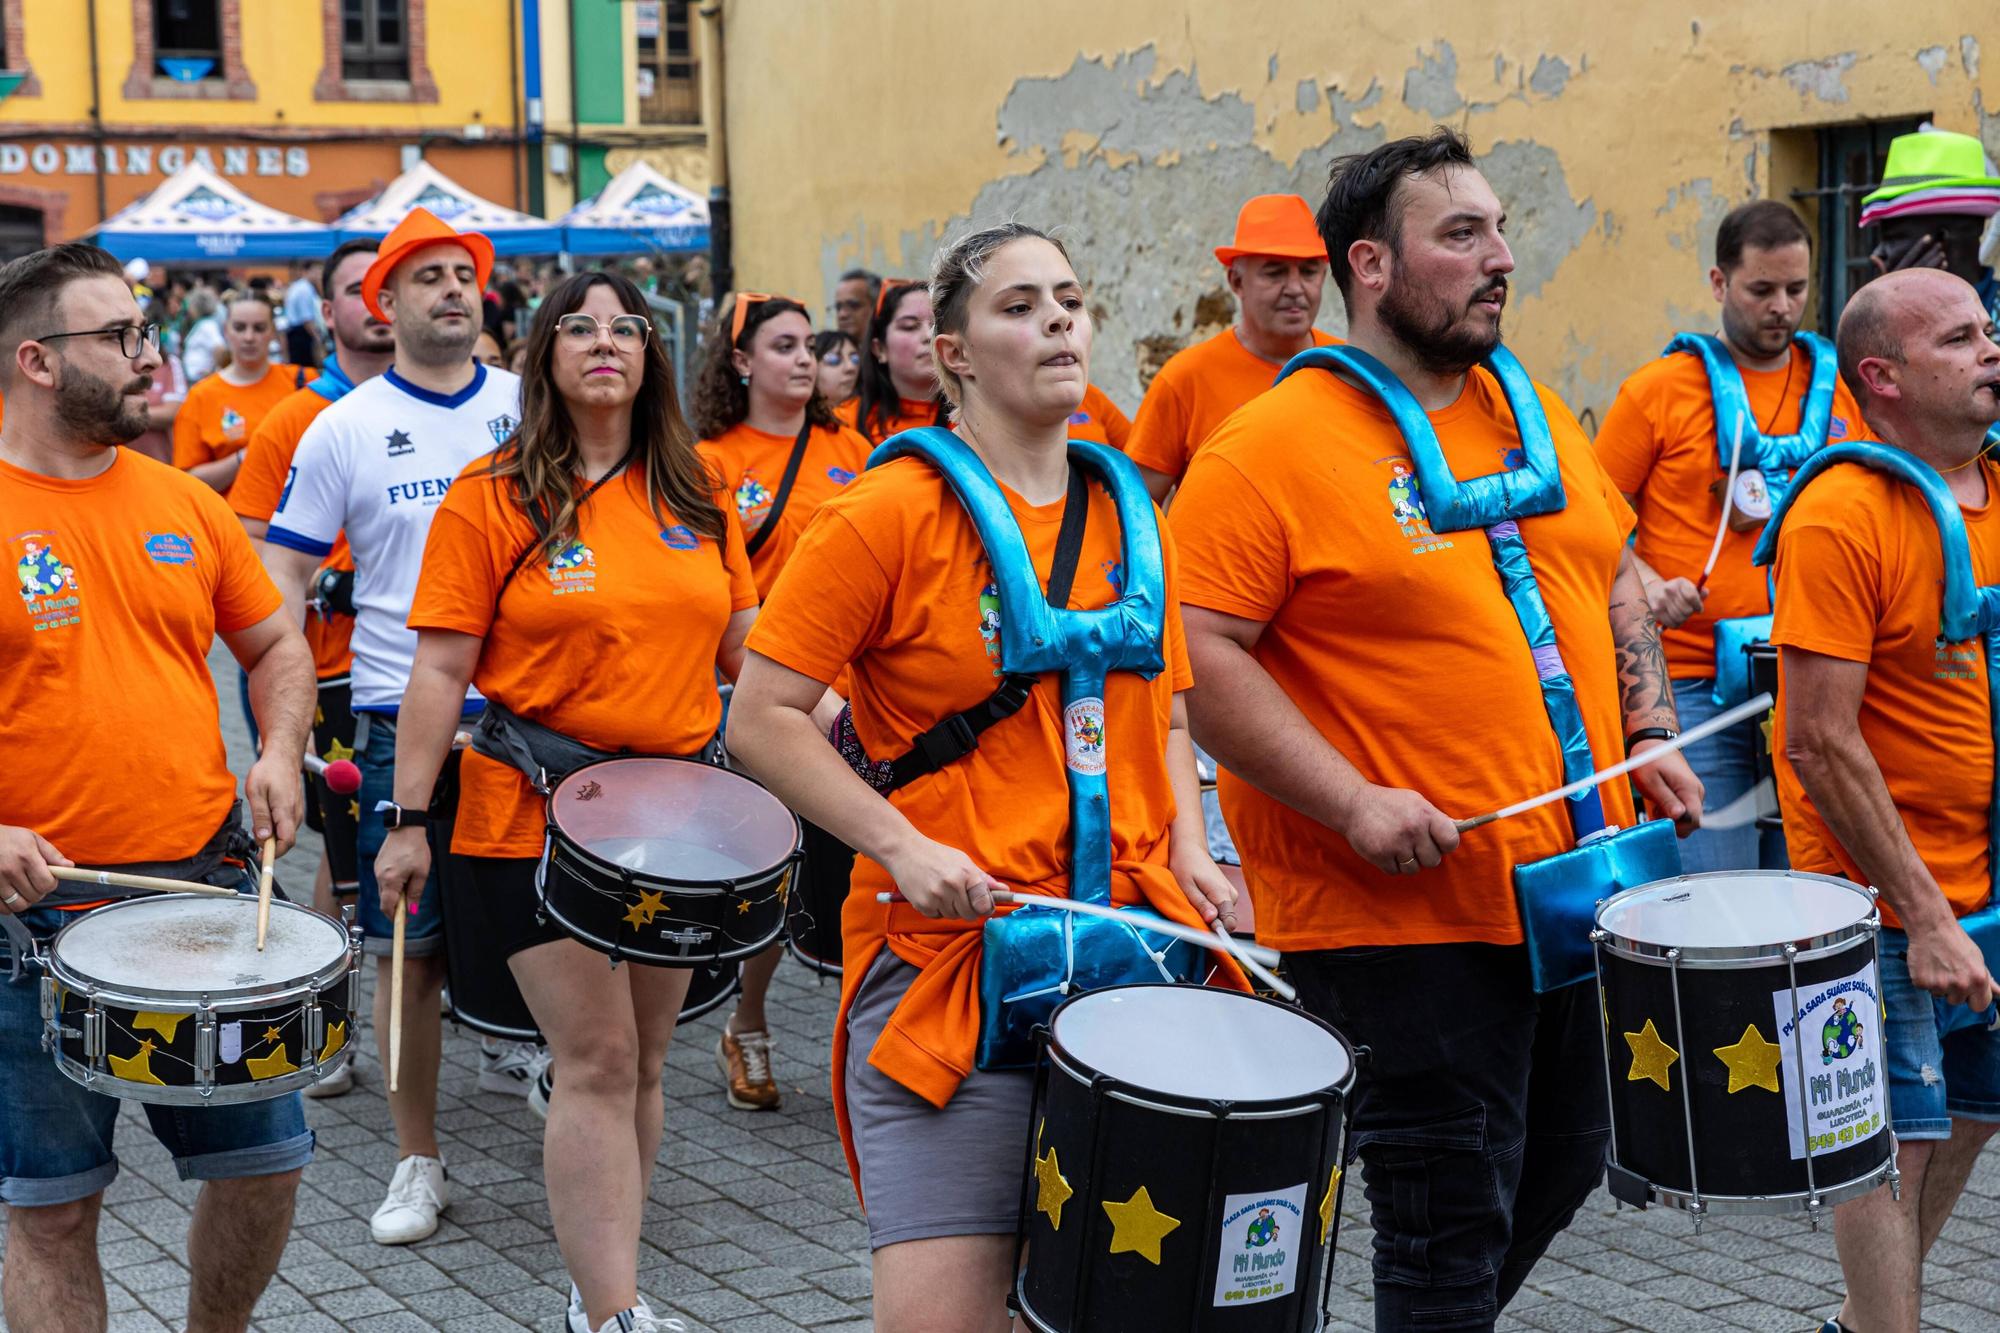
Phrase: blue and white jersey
(376,464)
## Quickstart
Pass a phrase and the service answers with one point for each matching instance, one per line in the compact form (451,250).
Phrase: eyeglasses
(836,358)
(132,338)
(849,304)
(627,331)
(747,301)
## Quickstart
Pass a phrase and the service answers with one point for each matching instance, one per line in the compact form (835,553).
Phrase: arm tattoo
(1644,688)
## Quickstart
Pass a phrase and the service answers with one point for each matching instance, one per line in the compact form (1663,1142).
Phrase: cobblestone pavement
(752,1226)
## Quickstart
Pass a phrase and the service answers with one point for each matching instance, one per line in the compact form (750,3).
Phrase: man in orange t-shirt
(127,573)
(1276,268)
(1886,738)
(223,410)
(1365,681)
(1660,445)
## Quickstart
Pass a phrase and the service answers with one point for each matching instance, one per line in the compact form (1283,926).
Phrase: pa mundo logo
(1406,506)
(1841,1036)
(41,570)
(573,569)
(1263,1230)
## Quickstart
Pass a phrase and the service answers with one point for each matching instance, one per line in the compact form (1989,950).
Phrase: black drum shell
(819,891)
(1741,1142)
(696,926)
(1190,1156)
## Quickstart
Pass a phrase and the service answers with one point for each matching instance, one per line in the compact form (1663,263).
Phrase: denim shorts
(55,1136)
(1943,1059)
(423,934)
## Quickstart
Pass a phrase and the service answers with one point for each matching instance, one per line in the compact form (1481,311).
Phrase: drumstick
(264,891)
(342,776)
(1728,499)
(112,879)
(396,996)
(1228,944)
(1257,969)
(1737,714)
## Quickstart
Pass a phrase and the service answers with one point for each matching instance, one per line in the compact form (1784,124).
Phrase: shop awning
(195,216)
(640,210)
(424,186)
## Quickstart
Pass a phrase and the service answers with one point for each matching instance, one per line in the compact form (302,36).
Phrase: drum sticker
(1262,1235)
(1083,730)
(232,1043)
(1839,1091)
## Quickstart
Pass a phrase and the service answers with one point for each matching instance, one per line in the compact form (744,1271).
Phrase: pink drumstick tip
(343,777)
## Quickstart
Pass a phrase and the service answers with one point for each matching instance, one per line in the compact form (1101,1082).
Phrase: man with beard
(1276,269)
(1668,443)
(1886,738)
(363,346)
(375,465)
(1365,680)
(127,570)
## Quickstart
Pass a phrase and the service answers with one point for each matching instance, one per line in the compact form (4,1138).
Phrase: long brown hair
(542,460)
(721,397)
(881,403)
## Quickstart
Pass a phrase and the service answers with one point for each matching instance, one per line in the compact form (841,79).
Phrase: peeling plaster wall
(1617,136)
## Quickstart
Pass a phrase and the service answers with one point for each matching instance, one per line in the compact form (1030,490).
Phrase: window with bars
(669,78)
(1851,159)
(187,39)
(375,40)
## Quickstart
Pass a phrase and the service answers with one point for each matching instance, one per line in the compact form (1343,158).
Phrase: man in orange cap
(1277,272)
(376,464)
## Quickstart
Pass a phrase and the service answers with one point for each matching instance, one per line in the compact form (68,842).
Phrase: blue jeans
(55,1135)
(1942,1059)
(423,934)
(1221,847)
(1726,763)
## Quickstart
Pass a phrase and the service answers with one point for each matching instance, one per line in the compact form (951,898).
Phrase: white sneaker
(544,1088)
(336,1085)
(419,1192)
(508,1066)
(639,1319)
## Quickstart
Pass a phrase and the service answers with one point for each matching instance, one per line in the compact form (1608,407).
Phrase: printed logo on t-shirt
(753,503)
(1836,429)
(1079,419)
(291,476)
(1406,506)
(1083,733)
(399,444)
(989,623)
(169,548)
(430,490)
(232,425)
(680,537)
(573,569)
(1114,574)
(48,585)
(502,427)
(841,476)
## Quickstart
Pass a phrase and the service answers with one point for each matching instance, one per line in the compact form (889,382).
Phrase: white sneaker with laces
(508,1066)
(544,1087)
(639,1319)
(417,1194)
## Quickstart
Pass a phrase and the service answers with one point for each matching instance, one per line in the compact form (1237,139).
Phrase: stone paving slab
(751,1225)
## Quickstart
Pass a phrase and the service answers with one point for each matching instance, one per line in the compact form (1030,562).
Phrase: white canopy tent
(639,210)
(195,216)
(424,186)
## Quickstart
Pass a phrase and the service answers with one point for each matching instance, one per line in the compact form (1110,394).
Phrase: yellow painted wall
(1618,133)
(284,50)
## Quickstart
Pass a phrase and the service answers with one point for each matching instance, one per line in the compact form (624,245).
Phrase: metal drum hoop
(563,842)
(1736,956)
(1757,1205)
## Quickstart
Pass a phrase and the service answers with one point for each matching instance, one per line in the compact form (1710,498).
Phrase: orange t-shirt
(750,465)
(1302,511)
(1658,444)
(910,414)
(1194,391)
(108,714)
(891,577)
(260,485)
(1860,577)
(1099,419)
(612,643)
(218,418)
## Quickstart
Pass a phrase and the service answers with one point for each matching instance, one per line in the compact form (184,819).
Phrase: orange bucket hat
(420,228)
(1274,224)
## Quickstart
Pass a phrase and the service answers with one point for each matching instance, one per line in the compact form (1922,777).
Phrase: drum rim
(1801,949)
(191,1094)
(555,832)
(1782,1204)
(1179,1103)
(97,988)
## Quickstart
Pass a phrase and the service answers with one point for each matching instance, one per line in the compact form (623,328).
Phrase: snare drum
(168,1001)
(672,862)
(709,989)
(1743,1022)
(1184,1164)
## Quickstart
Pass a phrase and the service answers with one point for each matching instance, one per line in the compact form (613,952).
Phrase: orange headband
(890,286)
(744,302)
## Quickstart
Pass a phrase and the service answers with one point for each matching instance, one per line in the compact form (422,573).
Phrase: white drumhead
(186,945)
(677,820)
(1735,909)
(1196,1041)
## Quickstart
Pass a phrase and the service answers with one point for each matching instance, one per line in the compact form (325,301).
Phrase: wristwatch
(1647,734)
(395,816)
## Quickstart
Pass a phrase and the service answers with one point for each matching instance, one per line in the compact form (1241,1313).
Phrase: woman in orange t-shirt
(611,632)
(222,411)
(892,579)
(756,405)
(899,379)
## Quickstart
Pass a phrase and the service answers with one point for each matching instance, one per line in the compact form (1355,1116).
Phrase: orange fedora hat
(422,227)
(1274,224)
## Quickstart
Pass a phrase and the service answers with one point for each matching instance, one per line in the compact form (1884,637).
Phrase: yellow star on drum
(272,1036)
(138,1066)
(1138,1227)
(354,809)
(335,751)
(164,1024)
(743,907)
(1052,1191)
(1650,1057)
(336,1037)
(650,905)
(1326,1205)
(1752,1062)
(274,1065)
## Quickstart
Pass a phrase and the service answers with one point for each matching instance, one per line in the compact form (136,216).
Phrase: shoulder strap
(299,378)
(756,543)
(539,520)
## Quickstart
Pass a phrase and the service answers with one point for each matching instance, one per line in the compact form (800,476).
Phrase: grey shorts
(926,1172)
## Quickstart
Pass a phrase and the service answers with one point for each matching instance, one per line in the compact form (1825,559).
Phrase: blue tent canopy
(195,216)
(424,186)
(640,210)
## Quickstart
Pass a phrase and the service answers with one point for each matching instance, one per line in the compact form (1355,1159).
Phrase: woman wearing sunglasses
(839,365)
(777,448)
(587,577)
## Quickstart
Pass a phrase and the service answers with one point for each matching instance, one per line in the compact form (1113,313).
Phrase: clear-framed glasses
(841,359)
(133,339)
(627,331)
